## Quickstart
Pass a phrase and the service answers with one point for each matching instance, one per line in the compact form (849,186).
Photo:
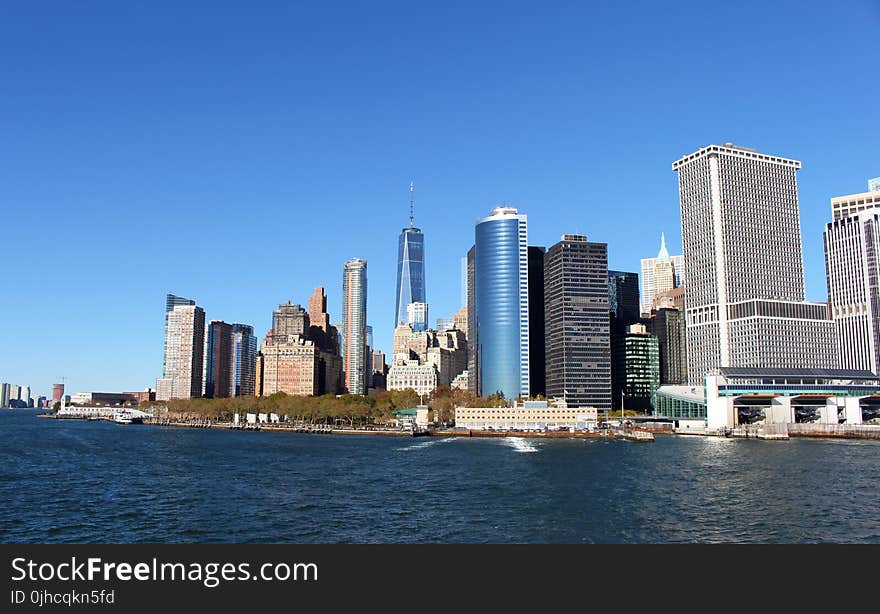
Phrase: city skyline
(323,167)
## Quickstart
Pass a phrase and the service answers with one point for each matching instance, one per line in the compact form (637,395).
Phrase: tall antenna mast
(411,205)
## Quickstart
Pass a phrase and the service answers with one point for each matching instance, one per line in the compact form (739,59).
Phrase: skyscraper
(410,267)
(244,354)
(219,365)
(640,365)
(537,364)
(318,315)
(852,269)
(171,300)
(578,354)
(745,304)
(184,353)
(501,291)
(327,338)
(659,275)
(667,324)
(623,296)
(354,322)
(473,340)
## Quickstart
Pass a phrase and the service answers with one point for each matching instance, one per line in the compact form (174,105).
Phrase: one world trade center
(411,307)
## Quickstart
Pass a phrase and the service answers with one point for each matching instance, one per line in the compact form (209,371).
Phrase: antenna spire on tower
(411,205)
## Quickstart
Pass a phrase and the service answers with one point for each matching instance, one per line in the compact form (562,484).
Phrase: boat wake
(426,444)
(520,445)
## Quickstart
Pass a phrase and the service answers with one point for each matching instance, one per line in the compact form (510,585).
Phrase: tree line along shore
(377,407)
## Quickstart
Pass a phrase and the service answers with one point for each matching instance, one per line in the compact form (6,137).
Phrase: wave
(520,445)
(426,444)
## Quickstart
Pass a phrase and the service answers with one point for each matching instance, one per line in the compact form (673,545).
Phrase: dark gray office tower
(473,340)
(623,303)
(623,296)
(537,373)
(668,326)
(219,370)
(576,323)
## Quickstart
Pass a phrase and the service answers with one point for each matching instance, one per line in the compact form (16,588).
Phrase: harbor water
(94,481)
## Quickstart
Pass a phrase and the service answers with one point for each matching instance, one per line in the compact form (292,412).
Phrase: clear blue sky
(238,154)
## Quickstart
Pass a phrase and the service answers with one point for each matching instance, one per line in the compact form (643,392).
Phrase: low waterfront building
(529,416)
(413,417)
(113,398)
(740,396)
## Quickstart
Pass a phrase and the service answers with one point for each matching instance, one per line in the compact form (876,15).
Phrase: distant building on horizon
(852,273)
(745,302)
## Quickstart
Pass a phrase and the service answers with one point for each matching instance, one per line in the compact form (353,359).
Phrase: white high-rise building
(184,353)
(659,274)
(417,316)
(354,325)
(852,269)
(745,302)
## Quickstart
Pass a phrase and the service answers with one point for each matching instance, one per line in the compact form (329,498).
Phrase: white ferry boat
(126,417)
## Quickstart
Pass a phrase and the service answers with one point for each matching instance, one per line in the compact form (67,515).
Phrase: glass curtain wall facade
(410,272)
(502,303)
(244,347)
(219,367)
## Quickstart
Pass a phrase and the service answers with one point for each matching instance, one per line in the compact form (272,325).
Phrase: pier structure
(745,400)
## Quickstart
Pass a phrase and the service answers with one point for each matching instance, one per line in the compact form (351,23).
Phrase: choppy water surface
(79,481)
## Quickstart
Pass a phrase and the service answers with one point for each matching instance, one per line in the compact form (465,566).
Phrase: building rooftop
(753,372)
(737,150)
(688,393)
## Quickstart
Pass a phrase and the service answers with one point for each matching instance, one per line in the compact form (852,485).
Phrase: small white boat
(125,417)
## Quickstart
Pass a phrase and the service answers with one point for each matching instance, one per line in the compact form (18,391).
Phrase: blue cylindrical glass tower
(501,301)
